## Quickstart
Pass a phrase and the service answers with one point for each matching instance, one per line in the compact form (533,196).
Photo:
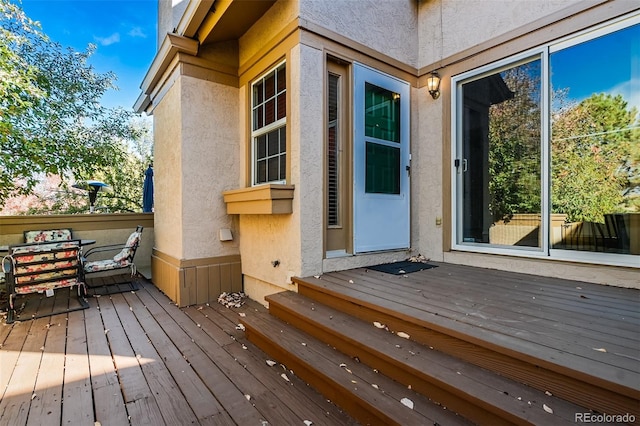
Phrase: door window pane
(595,144)
(501,158)
(382,113)
(382,169)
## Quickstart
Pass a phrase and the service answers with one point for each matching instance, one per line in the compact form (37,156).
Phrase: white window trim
(265,129)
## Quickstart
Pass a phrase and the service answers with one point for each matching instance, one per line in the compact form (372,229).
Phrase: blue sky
(609,64)
(124,31)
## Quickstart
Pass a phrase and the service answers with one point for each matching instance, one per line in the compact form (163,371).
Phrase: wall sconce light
(433,85)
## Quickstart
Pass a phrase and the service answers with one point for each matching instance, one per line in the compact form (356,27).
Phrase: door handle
(457,162)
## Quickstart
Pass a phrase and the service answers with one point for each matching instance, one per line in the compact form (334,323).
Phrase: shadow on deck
(135,358)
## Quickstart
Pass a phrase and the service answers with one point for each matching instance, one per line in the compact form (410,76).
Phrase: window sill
(263,199)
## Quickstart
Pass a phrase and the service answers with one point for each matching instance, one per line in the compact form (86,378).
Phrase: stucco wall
(426,175)
(293,242)
(167,131)
(209,166)
(389,27)
(307,166)
(196,159)
(169,13)
(447,27)
(273,21)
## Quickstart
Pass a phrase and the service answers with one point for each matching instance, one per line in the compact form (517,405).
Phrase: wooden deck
(135,358)
(594,326)
(556,335)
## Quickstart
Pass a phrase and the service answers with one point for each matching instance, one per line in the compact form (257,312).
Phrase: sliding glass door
(499,169)
(547,150)
(595,142)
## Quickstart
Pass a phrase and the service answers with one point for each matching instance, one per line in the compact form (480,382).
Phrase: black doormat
(401,268)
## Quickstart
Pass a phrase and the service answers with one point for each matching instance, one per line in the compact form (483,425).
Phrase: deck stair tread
(542,347)
(369,396)
(472,391)
(597,385)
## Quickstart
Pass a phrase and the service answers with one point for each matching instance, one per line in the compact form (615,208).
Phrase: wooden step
(543,367)
(476,393)
(368,396)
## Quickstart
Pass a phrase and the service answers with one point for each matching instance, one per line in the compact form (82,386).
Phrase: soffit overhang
(203,22)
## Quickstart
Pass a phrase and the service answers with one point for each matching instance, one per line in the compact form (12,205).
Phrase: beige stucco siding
(289,240)
(307,165)
(449,27)
(167,131)
(209,165)
(196,158)
(277,17)
(426,175)
(388,27)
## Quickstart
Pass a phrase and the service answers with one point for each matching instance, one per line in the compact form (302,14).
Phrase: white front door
(381,161)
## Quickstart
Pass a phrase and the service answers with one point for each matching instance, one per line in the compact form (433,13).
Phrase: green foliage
(595,154)
(51,119)
(514,146)
(593,146)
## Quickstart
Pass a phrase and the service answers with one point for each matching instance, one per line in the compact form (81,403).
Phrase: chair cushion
(105,265)
(45,276)
(126,254)
(42,287)
(40,236)
(40,267)
(36,248)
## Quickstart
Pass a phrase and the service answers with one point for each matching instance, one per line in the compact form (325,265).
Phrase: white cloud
(630,90)
(106,41)
(137,32)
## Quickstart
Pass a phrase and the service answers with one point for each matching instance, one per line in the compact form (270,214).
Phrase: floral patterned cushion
(105,265)
(42,287)
(47,235)
(129,250)
(43,266)
(39,248)
(39,267)
(23,279)
(47,257)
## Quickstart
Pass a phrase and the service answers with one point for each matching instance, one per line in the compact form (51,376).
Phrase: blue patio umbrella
(147,190)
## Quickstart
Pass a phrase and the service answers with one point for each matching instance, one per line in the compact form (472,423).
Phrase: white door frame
(381,221)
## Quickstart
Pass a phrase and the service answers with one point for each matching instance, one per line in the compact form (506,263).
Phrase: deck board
(202,402)
(193,346)
(134,358)
(314,405)
(15,404)
(593,328)
(542,326)
(46,408)
(108,399)
(77,407)
(132,381)
(160,364)
(174,407)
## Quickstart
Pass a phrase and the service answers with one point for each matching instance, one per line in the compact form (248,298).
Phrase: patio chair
(113,266)
(610,236)
(44,268)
